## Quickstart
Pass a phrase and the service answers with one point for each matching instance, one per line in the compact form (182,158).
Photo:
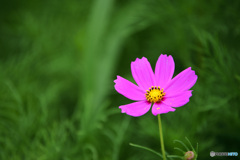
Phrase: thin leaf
(197,148)
(182,144)
(174,156)
(179,150)
(146,148)
(190,144)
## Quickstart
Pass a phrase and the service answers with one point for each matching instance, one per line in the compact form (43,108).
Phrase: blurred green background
(58,60)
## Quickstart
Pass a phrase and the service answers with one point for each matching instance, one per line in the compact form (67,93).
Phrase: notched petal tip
(115,81)
(122,109)
(136,60)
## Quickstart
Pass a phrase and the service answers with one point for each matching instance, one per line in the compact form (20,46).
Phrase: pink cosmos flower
(158,88)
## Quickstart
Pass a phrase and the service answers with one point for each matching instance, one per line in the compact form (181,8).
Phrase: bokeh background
(58,60)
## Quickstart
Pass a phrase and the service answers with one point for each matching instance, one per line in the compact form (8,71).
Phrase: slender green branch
(161,137)
(174,156)
(197,148)
(190,144)
(182,144)
(180,150)
(146,148)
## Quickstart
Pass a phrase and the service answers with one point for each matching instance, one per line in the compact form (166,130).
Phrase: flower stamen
(154,94)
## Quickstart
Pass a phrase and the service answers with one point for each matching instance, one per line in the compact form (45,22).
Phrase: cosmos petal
(177,100)
(128,89)
(182,82)
(160,108)
(164,70)
(136,109)
(142,73)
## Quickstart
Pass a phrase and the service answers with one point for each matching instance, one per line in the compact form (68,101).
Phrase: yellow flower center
(154,94)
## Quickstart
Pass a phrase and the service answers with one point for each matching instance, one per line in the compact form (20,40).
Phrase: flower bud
(189,155)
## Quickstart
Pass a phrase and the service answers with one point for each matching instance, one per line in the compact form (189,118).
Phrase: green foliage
(58,60)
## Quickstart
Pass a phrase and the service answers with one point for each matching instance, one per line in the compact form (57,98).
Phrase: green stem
(161,137)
